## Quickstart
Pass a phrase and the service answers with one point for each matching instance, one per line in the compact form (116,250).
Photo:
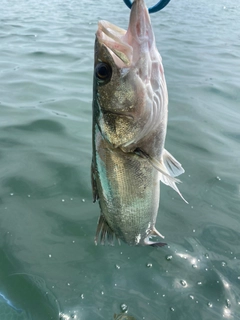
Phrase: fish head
(130,92)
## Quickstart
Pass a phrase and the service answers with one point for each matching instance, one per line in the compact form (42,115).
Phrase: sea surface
(50,267)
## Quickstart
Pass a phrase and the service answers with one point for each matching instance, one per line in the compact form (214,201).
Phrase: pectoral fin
(94,184)
(173,185)
(159,166)
(169,168)
(171,164)
(174,168)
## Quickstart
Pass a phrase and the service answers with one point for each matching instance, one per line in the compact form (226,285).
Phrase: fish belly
(128,189)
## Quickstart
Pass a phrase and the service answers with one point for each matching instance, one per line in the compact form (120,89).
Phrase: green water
(49,264)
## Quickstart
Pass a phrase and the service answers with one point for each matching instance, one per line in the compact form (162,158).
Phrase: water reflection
(123,316)
(22,295)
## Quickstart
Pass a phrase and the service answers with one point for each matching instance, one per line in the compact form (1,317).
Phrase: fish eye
(103,72)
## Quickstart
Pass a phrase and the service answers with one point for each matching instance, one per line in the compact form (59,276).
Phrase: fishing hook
(157,7)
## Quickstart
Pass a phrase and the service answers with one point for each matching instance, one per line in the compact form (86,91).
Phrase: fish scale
(127,211)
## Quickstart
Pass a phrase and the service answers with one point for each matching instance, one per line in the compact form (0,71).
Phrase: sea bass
(130,102)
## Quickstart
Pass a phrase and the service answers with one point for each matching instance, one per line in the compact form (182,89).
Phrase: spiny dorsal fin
(104,233)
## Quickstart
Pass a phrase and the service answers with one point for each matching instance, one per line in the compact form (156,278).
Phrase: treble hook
(159,6)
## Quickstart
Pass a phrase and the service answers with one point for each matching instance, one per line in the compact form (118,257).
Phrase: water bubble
(199,283)
(164,295)
(210,304)
(183,283)
(223,264)
(63,200)
(228,303)
(50,256)
(194,230)
(71,199)
(117,266)
(194,266)
(29,195)
(172,309)
(83,200)
(82,296)
(207,255)
(169,258)
(11,194)
(238,277)
(124,307)
(191,296)
(68,284)
(149,265)
(102,293)
(63,316)
(226,313)
(218,178)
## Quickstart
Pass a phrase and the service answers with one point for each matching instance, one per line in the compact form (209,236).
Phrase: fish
(130,111)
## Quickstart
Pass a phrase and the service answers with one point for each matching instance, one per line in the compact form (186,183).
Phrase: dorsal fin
(104,233)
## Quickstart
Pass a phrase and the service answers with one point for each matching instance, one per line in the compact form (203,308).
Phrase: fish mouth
(124,46)
(113,38)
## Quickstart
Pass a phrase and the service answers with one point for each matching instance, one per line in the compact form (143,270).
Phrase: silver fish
(130,108)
